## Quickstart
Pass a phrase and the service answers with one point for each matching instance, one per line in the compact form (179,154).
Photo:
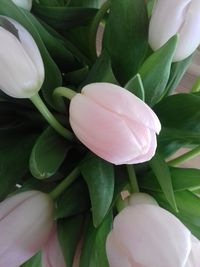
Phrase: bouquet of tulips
(90,124)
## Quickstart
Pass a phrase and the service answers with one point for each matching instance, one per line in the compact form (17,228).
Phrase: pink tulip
(52,255)
(114,124)
(145,235)
(26,221)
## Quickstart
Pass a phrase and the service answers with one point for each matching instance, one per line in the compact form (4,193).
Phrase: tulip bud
(26,221)
(52,255)
(145,235)
(21,65)
(114,123)
(170,17)
(26,4)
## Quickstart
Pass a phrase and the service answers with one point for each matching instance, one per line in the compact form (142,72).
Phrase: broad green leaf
(94,251)
(64,17)
(15,149)
(182,179)
(125,37)
(62,56)
(69,234)
(155,71)
(178,69)
(8,8)
(180,111)
(136,87)
(76,77)
(163,176)
(48,154)
(99,176)
(67,204)
(101,71)
(86,3)
(35,261)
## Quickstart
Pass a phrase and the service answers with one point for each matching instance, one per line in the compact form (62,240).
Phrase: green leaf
(86,3)
(64,17)
(178,69)
(93,251)
(67,204)
(99,176)
(180,111)
(62,56)
(48,154)
(8,8)
(163,176)
(155,71)
(35,261)
(182,179)
(15,149)
(69,234)
(101,71)
(125,37)
(136,87)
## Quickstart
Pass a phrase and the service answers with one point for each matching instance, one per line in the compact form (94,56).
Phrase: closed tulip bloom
(52,255)
(114,124)
(26,221)
(26,4)
(21,65)
(172,17)
(145,235)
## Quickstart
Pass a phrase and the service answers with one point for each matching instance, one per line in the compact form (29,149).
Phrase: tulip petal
(116,256)
(25,227)
(122,102)
(18,75)
(52,254)
(102,131)
(170,17)
(152,236)
(31,49)
(194,260)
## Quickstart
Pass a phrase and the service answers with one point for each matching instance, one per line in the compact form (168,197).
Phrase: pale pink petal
(25,228)
(120,101)
(194,257)
(116,256)
(172,17)
(149,154)
(102,131)
(52,255)
(152,236)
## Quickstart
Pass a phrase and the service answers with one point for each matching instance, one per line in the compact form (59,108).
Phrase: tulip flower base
(89,132)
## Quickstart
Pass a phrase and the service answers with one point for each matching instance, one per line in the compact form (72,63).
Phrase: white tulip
(145,235)
(26,4)
(21,65)
(170,17)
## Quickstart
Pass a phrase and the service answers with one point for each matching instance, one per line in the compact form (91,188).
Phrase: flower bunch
(90,127)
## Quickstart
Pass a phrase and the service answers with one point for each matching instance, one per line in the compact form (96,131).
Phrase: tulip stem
(39,104)
(63,92)
(94,27)
(187,156)
(132,178)
(196,86)
(65,183)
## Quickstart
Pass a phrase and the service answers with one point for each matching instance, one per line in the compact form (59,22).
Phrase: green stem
(39,104)
(63,92)
(65,183)
(94,27)
(132,178)
(196,86)
(187,156)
